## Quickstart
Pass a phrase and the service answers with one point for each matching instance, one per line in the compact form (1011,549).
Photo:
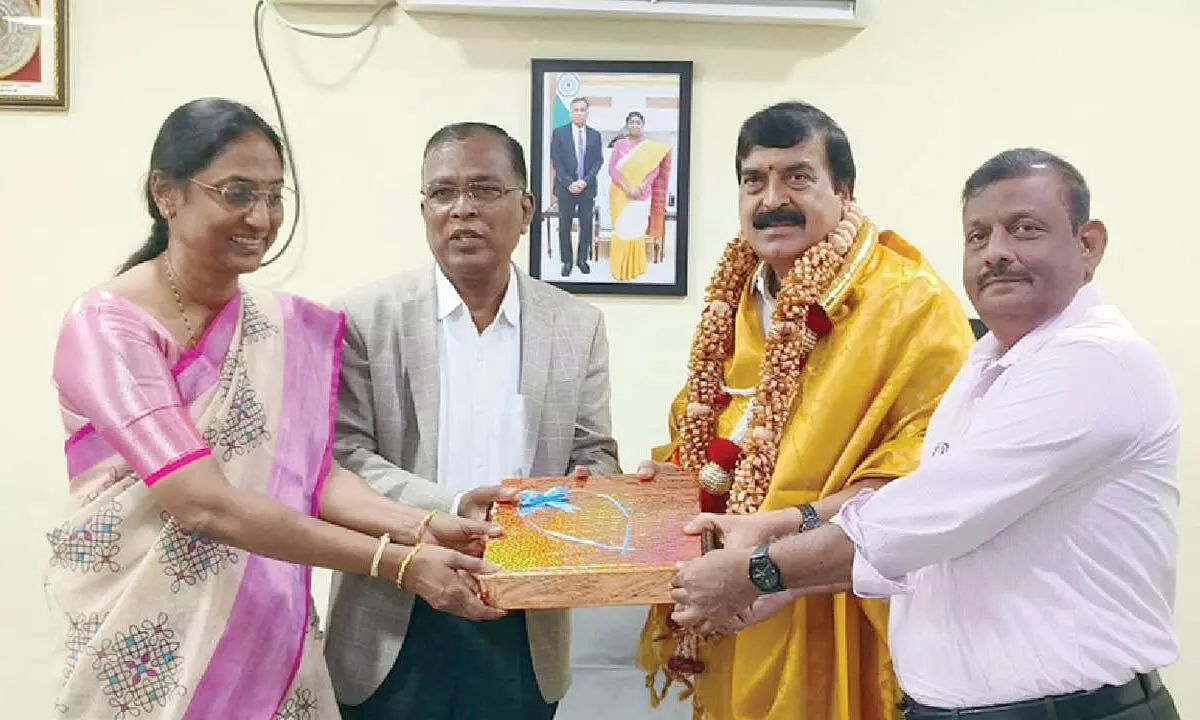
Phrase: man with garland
(824,346)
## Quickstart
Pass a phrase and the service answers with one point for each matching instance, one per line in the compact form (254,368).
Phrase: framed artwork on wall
(33,54)
(609,163)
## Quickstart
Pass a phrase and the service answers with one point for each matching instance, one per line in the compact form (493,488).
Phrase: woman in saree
(639,168)
(199,417)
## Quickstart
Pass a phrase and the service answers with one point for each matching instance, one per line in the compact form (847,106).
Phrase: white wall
(926,93)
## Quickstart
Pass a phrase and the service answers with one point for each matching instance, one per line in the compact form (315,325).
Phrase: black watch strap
(809,520)
(764,573)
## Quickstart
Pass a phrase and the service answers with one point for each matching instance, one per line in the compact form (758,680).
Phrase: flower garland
(742,470)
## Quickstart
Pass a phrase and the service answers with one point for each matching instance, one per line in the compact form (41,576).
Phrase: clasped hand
(713,593)
(445,571)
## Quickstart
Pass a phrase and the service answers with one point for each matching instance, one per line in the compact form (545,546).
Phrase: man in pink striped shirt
(1031,558)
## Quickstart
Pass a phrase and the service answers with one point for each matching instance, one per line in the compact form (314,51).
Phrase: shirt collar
(986,351)
(449,301)
(760,283)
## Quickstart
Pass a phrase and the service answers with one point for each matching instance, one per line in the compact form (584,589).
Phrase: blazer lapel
(537,326)
(420,344)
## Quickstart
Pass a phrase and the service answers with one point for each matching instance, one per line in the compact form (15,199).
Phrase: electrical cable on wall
(259,11)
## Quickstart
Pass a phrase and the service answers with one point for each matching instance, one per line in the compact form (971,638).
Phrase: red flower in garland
(716,477)
(724,452)
(818,321)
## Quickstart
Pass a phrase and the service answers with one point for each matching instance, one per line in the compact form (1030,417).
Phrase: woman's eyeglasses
(240,195)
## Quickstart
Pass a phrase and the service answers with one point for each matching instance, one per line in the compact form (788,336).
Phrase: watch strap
(763,567)
(809,520)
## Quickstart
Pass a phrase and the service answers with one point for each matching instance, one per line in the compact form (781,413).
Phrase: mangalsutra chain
(179,303)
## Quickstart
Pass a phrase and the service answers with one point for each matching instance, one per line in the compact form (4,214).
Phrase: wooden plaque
(608,540)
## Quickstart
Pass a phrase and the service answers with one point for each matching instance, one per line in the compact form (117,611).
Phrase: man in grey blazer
(456,376)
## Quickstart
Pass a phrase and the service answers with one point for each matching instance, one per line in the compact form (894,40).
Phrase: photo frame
(33,54)
(626,195)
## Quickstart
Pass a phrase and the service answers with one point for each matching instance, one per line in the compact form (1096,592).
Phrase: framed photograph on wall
(609,153)
(33,54)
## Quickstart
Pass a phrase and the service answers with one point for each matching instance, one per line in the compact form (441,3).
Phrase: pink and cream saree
(646,165)
(152,621)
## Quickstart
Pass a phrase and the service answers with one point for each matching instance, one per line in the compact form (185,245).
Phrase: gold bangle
(383,543)
(424,524)
(404,565)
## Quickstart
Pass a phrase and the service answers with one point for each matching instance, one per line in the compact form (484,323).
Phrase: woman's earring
(169,213)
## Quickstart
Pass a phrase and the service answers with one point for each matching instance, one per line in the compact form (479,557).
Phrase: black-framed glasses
(240,195)
(444,196)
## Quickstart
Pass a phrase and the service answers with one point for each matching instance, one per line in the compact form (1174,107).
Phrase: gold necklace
(179,302)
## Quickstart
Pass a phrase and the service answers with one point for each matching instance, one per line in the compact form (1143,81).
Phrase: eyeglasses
(479,193)
(240,195)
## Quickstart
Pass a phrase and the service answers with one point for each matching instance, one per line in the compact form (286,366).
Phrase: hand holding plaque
(463,534)
(745,531)
(477,504)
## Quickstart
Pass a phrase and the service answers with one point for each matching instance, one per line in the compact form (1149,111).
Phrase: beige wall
(926,93)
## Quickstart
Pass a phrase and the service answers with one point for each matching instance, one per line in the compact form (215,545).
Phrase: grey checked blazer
(387,433)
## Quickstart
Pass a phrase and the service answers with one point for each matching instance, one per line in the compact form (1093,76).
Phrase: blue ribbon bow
(530,501)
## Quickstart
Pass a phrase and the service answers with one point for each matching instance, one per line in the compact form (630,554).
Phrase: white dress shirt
(480,414)
(763,297)
(1033,551)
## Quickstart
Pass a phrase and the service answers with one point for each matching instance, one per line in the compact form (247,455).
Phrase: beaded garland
(743,470)
(735,476)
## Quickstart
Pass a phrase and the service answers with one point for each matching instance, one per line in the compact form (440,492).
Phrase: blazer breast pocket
(567,368)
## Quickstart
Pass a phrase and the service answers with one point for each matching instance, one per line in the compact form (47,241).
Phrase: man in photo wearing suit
(577,157)
(455,376)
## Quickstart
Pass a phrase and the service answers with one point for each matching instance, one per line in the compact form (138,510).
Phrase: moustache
(782,216)
(1003,274)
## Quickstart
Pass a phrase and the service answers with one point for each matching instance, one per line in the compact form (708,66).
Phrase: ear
(166,194)
(1093,239)
(527,205)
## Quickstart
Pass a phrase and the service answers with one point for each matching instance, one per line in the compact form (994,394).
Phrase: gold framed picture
(33,54)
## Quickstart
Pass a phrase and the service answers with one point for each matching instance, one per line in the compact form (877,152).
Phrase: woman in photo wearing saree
(199,417)
(640,168)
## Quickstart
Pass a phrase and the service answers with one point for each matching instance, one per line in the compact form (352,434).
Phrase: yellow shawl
(868,390)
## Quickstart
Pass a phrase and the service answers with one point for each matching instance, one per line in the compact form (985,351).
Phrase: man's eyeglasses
(240,195)
(444,196)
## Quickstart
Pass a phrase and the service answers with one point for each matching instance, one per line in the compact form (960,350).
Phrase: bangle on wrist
(424,525)
(383,543)
(404,565)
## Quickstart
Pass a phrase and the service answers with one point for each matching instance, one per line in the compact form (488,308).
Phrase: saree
(153,621)
(636,218)
(866,396)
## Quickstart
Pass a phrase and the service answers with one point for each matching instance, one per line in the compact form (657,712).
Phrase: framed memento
(609,161)
(606,540)
(33,54)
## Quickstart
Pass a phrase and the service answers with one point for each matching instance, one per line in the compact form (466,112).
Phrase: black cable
(290,160)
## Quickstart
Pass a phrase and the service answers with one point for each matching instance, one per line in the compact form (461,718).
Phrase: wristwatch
(809,520)
(764,573)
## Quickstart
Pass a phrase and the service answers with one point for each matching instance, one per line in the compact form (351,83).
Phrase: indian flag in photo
(566,87)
